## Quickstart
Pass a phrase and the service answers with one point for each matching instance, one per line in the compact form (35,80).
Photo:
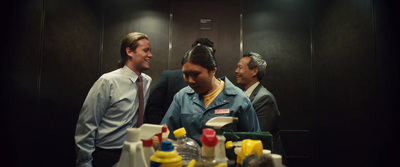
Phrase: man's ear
(129,52)
(254,72)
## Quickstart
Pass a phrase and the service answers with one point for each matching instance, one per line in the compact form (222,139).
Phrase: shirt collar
(131,74)
(251,88)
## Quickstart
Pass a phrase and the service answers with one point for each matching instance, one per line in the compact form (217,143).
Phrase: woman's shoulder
(230,88)
(185,91)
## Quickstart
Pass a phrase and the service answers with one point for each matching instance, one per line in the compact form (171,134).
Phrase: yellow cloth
(211,96)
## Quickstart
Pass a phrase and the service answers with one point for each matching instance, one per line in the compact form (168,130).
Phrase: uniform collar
(228,89)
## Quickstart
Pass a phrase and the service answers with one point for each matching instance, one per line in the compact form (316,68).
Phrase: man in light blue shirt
(112,104)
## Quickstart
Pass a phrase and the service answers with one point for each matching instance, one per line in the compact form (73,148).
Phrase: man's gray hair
(256,61)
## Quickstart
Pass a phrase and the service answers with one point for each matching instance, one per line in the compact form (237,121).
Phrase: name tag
(222,111)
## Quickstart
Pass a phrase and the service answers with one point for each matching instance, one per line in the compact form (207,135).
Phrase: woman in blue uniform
(206,97)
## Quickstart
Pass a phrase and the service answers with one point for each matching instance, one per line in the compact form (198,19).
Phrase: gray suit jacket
(264,104)
(268,114)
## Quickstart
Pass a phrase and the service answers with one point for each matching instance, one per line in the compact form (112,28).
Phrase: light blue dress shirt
(109,109)
(189,111)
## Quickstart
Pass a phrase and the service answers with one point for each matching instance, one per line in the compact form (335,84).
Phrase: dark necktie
(141,102)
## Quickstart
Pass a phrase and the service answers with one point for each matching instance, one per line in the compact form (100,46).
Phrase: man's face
(142,55)
(198,77)
(244,75)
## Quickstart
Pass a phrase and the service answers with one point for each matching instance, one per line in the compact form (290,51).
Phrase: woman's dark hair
(205,41)
(200,55)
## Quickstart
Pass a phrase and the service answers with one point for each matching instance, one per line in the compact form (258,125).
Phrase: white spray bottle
(218,123)
(147,133)
(132,152)
(138,147)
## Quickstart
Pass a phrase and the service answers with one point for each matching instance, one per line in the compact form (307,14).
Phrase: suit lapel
(255,91)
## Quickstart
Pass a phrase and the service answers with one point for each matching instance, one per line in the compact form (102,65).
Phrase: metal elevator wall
(332,66)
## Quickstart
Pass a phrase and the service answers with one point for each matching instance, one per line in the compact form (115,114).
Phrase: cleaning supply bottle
(218,123)
(146,135)
(209,140)
(138,147)
(277,160)
(132,151)
(236,144)
(186,147)
(249,146)
(166,156)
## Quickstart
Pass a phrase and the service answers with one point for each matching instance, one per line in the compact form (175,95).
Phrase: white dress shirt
(251,89)
(109,109)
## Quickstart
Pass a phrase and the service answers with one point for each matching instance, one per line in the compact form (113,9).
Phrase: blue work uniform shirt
(188,110)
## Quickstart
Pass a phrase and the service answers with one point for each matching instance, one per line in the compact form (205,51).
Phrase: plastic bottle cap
(209,137)
(133,134)
(179,132)
(277,160)
(266,152)
(166,145)
(229,145)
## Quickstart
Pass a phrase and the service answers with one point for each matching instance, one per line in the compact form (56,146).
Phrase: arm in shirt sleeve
(154,109)
(173,117)
(248,121)
(90,117)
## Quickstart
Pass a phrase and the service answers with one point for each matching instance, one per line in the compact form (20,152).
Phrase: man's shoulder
(263,94)
(111,74)
(260,90)
(265,91)
(173,77)
(173,72)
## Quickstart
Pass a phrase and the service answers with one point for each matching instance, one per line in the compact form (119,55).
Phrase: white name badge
(222,111)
